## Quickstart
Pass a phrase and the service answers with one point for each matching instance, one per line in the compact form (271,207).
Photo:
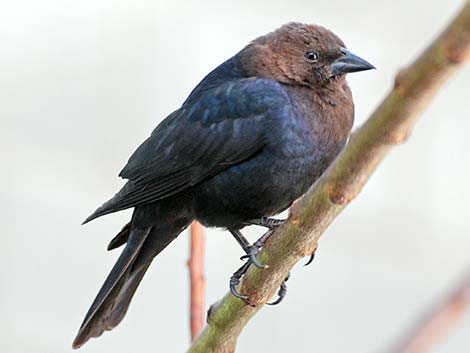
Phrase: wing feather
(225,126)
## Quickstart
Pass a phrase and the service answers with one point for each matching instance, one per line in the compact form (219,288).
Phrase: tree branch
(390,124)
(439,321)
(196,279)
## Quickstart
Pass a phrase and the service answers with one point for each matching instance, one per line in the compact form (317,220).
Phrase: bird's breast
(300,147)
(328,113)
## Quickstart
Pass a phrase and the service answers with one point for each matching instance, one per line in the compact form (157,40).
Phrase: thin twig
(438,322)
(196,278)
(390,124)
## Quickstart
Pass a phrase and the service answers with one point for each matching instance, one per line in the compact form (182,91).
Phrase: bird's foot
(267,222)
(235,280)
(283,288)
(282,292)
(252,251)
(251,256)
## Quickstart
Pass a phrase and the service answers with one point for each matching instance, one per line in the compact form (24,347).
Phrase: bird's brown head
(300,54)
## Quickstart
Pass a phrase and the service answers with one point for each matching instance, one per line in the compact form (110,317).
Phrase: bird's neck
(328,111)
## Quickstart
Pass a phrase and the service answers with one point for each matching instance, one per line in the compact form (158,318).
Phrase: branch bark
(196,279)
(389,125)
(438,321)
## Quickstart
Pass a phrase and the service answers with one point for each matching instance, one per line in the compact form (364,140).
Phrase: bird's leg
(270,223)
(259,243)
(251,250)
(282,291)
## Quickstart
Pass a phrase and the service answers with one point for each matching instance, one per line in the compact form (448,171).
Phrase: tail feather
(96,320)
(124,297)
(120,201)
(120,238)
(145,238)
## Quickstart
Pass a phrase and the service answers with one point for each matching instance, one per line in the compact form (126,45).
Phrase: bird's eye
(311,55)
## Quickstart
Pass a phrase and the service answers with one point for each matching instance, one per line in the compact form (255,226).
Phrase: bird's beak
(349,62)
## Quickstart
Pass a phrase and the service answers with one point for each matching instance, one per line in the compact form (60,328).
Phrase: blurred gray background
(83,83)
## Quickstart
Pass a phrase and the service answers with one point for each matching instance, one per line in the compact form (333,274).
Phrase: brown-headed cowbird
(251,138)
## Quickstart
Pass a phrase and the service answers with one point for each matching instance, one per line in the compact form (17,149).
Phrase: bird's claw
(282,292)
(283,288)
(312,256)
(251,253)
(235,281)
(251,256)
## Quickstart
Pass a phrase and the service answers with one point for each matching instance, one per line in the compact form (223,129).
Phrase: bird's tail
(144,239)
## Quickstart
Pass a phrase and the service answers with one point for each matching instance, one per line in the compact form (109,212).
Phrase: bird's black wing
(224,126)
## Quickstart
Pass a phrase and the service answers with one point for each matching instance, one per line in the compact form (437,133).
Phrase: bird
(249,140)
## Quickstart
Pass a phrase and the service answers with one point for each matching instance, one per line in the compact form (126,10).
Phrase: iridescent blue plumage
(251,138)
